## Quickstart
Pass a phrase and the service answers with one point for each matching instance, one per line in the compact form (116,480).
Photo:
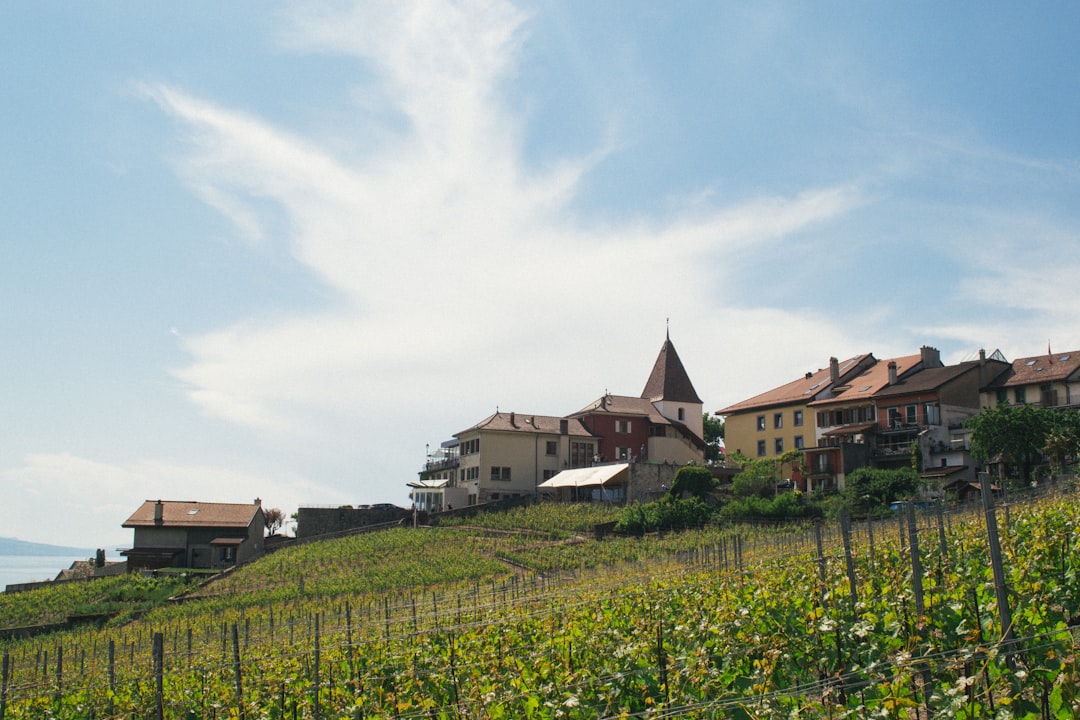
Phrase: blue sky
(256,249)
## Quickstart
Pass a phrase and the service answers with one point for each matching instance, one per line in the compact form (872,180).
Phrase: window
(1002,396)
(778,446)
(760,422)
(657,431)
(798,419)
(932,412)
(622,426)
(622,453)
(682,415)
(1021,395)
(1048,396)
(778,420)
(500,472)
(761,448)
(581,454)
(911,416)
(552,447)
(798,442)
(548,474)
(470,447)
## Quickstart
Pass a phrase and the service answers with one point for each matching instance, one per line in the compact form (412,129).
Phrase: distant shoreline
(22,548)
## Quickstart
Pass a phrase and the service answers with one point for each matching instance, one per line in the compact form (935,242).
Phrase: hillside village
(859,412)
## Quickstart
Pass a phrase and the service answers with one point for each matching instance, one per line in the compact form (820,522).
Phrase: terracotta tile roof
(527,423)
(623,405)
(1039,369)
(866,384)
(194,514)
(668,380)
(800,391)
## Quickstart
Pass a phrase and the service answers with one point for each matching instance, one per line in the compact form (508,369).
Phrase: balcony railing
(441,464)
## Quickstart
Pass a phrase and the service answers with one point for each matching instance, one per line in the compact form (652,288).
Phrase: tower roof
(668,380)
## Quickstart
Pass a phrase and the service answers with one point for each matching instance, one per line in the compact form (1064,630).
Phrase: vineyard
(529,616)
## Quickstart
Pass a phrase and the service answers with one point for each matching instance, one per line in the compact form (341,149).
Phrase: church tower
(670,391)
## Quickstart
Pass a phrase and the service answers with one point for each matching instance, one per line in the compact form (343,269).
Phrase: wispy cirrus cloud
(453,260)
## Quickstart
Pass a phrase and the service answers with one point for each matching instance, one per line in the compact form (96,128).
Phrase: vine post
(4,684)
(159,675)
(1001,590)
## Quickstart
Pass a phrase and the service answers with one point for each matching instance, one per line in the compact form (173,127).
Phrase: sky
(276,250)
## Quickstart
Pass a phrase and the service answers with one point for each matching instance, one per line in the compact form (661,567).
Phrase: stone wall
(311,522)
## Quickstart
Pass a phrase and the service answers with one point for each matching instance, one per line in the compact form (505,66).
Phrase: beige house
(510,454)
(1050,380)
(188,534)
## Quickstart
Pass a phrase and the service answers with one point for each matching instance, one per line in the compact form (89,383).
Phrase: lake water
(31,568)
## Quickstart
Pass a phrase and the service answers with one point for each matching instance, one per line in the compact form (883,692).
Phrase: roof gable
(801,391)
(668,380)
(1039,369)
(526,423)
(866,384)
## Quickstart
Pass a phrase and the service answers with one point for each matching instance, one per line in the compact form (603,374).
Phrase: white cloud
(461,274)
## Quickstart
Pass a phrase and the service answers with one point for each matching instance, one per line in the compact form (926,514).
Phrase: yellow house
(770,424)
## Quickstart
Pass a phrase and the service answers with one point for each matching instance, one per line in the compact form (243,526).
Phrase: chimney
(564,426)
(258,501)
(931,357)
(982,357)
(834,370)
(512,419)
(892,372)
(159,513)
(99,558)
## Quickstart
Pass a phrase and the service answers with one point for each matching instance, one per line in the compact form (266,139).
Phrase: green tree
(759,476)
(714,432)
(869,489)
(1063,438)
(1016,433)
(692,481)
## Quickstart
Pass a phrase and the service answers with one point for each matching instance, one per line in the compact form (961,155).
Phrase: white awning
(582,477)
(428,484)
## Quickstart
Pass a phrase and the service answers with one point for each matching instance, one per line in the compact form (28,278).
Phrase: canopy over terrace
(605,483)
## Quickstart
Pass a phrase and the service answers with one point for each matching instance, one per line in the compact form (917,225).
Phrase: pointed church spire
(668,380)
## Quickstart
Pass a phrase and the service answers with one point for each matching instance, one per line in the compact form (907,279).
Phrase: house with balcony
(1050,380)
(847,419)
(778,420)
(926,409)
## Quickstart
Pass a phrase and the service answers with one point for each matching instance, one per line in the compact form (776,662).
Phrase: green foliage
(1063,439)
(696,624)
(867,489)
(638,519)
(1017,433)
(713,427)
(784,507)
(692,481)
